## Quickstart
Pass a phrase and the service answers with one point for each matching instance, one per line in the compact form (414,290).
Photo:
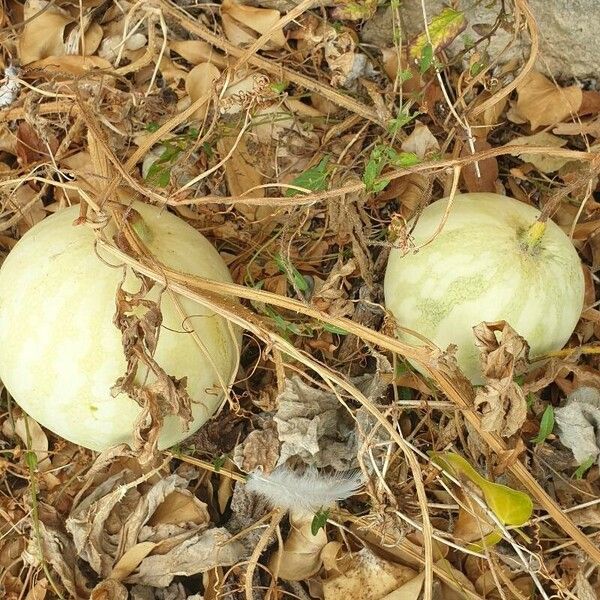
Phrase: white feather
(308,491)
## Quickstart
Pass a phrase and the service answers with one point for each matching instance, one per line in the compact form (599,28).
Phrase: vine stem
(533,236)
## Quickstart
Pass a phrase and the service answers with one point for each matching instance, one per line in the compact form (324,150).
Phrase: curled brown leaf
(504,354)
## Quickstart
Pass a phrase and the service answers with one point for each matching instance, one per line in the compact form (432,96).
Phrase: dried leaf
(200,82)
(43,34)
(579,128)
(583,589)
(501,401)
(421,141)
(139,320)
(485,181)
(354,10)
(244,92)
(300,557)
(590,103)
(542,103)
(472,523)
(460,579)
(71,64)
(197,554)
(30,431)
(38,591)
(243,24)
(314,426)
(411,589)
(180,507)
(578,423)
(367,577)
(58,552)
(119,514)
(345,64)
(260,449)
(109,590)
(129,562)
(198,51)
(31,145)
(546,164)
(242,174)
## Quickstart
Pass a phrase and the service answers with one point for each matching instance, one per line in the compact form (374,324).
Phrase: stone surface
(569,38)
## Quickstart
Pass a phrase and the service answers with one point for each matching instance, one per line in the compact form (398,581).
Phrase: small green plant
(546,425)
(334,329)
(403,118)
(426,58)
(293,275)
(278,87)
(219,462)
(584,467)
(159,173)
(319,521)
(314,179)
(381,157)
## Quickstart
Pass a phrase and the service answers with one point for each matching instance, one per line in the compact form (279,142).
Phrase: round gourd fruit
(479,268)
(61,353)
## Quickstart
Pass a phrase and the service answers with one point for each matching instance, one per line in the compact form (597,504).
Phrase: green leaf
(159,175)
(319,521)
(546,425)
(426,58)
(405,159)
(382,156)
(443,29)
(334,329)
(584,467)
(219,462)
(293,275)
(279,87)
(314,179)
(397,123)
(405,393)
(519,380)
(152,127)
(404,75)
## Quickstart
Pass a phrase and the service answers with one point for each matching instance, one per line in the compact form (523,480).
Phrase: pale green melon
(60,352)
(478,269)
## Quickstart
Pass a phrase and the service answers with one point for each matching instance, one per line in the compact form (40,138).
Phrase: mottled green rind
(477,270)
(60,352)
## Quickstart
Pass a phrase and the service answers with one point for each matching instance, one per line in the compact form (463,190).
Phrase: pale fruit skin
(477,269)
(60,352)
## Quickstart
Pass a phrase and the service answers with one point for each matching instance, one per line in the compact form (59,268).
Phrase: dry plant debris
(302,152)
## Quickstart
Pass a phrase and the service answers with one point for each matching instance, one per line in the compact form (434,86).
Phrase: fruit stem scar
(532,237)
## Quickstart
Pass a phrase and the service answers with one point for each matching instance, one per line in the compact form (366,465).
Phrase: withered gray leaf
(202,552)
(314,425)
(578,423)
(58,551)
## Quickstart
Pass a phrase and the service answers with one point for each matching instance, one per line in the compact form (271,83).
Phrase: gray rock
(569,39)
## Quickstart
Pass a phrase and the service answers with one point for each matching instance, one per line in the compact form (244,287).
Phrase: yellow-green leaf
(443,29)
(512,507)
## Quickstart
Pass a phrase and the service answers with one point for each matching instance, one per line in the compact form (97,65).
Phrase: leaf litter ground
(302,152)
